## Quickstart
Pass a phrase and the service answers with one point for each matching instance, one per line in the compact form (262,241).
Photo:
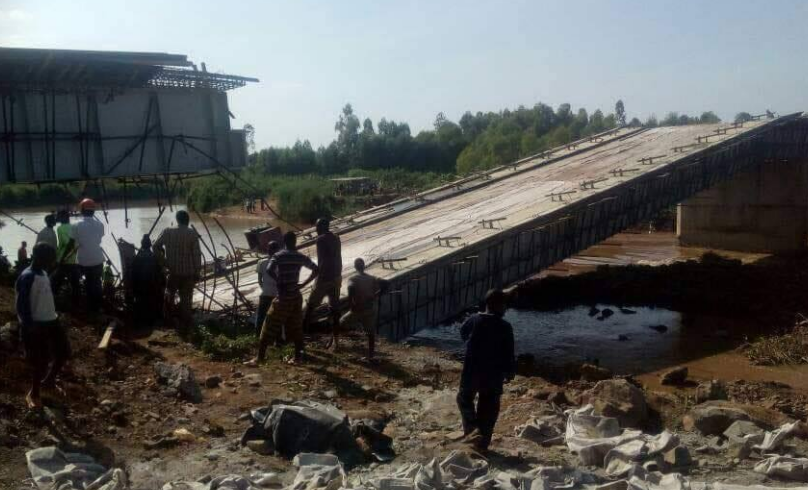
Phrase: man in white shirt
(86,238)
(46,345)
(269,287)
(48,234)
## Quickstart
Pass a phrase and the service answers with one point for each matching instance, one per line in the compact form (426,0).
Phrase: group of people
(70,252)
(281,316)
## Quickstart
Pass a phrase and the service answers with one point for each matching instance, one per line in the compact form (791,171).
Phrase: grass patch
(219,341)
(788,348)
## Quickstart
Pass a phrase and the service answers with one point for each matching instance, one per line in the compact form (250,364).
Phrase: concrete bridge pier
(763,209)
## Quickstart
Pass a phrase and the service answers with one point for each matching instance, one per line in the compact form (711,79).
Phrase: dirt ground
(115,410)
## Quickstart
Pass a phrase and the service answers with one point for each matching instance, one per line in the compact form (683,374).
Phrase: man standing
(22,256)
(269,288)
(363,290)
(66,266)
(183,258)
(44,339)
(86,238)
(286,310)
(329,280)
(48,234)
(488,364)
(145,284)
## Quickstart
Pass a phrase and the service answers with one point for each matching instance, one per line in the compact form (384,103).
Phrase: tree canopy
(476,141)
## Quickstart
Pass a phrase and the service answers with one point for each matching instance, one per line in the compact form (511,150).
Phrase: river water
(623,342)
(142,217)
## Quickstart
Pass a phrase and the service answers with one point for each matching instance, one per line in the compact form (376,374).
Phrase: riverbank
(117,410)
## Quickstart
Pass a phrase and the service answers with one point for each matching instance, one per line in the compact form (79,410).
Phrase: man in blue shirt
(488,364)
(44,339)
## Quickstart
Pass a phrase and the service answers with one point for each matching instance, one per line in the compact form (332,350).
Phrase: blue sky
(408,60)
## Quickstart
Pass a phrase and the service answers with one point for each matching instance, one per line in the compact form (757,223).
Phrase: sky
(407,60)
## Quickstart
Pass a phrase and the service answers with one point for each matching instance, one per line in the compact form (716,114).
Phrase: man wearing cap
(329,279)
(183,259)
(85,238)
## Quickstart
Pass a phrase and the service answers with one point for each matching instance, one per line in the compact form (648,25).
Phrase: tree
(743,117)
(635,123)
(440,120)
(367,127)
(249,137)
(709,117)
(651,122)
(620,112)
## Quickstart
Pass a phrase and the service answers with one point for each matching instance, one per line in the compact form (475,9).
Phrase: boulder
(711,419)
(766,419)
(711,390)
(739,449)
(742,430)
(179,378)
(619,399)
(678,457)
(590,372)
(558,397)
(676,376)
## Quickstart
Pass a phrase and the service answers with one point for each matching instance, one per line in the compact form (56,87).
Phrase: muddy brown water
(625,342)
(142,217)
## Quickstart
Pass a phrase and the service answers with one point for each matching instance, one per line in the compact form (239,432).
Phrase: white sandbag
(620,460)
(52,468)
(592,436)
(795,469)
(318,471)
(774,439)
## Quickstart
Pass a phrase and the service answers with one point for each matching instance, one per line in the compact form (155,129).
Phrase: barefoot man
(45,340)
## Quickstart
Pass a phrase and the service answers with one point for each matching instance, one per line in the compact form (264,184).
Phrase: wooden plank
(107,336)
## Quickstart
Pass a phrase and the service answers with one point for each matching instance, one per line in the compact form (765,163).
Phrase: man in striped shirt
(287,308)
(183,260)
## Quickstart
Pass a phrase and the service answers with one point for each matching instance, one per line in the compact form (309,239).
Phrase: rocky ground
(126,407)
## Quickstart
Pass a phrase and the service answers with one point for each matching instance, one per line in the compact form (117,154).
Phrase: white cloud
(15,15)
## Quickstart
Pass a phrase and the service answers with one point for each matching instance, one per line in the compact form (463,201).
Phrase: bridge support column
(761,210)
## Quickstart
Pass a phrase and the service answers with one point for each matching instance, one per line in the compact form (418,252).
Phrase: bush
(304,200)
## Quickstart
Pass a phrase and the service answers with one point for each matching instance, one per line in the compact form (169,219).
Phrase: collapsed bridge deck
(444,248)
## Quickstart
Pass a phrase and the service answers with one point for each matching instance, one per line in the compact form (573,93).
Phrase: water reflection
(573,336)
(142,217)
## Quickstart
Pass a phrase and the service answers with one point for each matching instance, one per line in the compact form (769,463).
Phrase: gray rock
(620,399)
(180,378)
(739,449)
(742,430)
(261,446)
(590,372)
(678,457)
(330,394)
(712,419)
(676,376)
(711,390)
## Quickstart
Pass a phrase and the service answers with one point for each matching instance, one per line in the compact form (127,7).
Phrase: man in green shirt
(67,268)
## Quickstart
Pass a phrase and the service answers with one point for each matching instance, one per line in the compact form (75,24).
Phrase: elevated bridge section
(444,248)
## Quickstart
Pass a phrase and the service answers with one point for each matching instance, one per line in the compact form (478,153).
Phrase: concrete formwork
(50,136)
